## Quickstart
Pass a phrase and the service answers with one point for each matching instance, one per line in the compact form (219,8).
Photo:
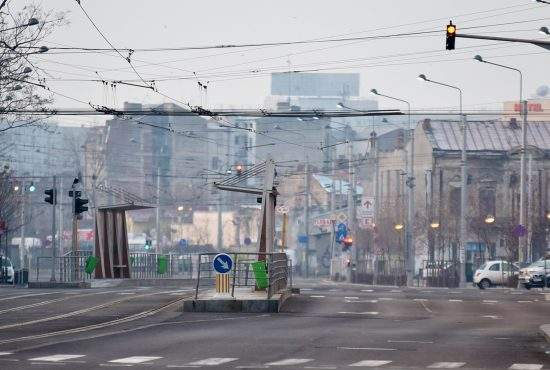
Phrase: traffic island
(246,301)
(545,331)
(59,285)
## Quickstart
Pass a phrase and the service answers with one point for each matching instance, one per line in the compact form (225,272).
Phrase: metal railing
(68,268)
(442,273)
(380,272)
(278,272)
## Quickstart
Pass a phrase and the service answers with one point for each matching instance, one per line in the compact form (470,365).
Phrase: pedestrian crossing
(235,362)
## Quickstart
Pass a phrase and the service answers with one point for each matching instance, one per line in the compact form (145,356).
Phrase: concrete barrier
(210,304)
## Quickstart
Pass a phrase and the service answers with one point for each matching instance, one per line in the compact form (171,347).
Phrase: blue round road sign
(222,263)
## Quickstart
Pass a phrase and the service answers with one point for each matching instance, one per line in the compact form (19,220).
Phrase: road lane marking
(363,301)
(396,291)
(27,295)
(494,317)
(134,359)
(251,367)
(304,289)
(367,348)
(289,361)
(525,367)
(316,296)
(320,367)
(455,300)
(385,299)
(6,353)
(333,290)
(359,313)
(524,301)
(213,361)
(351,297)
(446,365)
(411,341)
(423,304)
(489,301)
(370,363)
(367,290)
(55,358)
(455,292)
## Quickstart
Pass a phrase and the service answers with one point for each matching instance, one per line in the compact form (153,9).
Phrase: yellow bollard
(222,283)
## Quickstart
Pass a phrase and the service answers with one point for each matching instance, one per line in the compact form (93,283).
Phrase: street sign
(322,222)
(183,243)
(282,209)
(247,241)
(341,232)
(302,239)
(366,209)
(519,230)
(222,263)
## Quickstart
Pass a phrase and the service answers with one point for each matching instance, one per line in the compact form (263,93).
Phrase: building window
(487,202)
(454,202)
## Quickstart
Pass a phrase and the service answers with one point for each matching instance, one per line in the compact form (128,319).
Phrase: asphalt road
(328,326)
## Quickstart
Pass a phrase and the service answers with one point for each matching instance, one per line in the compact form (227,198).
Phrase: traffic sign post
(222,264)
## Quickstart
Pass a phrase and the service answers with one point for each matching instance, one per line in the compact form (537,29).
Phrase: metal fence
(71,266)
(380,272)
(441,273)
(278,271)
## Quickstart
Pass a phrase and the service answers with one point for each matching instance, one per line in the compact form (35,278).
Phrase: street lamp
(434,224)
(398,227)
(32,188)
(180,208)
(464,180)
(490,219)
(31,22)
(523,157)
(409,242)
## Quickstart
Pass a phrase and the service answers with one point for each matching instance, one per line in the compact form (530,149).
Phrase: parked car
(6,274)
(494,273)
(535,275)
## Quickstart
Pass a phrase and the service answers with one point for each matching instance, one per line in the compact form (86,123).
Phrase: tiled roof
(486,135)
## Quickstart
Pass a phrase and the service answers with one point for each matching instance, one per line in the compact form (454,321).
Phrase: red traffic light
(348,241)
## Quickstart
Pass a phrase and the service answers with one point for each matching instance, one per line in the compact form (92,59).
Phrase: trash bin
(260,273)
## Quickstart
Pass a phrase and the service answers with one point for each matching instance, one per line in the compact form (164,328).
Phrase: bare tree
(10,202)
(22,82)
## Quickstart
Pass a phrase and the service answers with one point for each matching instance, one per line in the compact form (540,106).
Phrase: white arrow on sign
(224,264)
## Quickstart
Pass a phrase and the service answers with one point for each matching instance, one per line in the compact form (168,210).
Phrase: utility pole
(463,200)
(351,201)
(22,248)
(54,250)
(219,243)
(410,212)
(522,183)
(306,213)
(157,213)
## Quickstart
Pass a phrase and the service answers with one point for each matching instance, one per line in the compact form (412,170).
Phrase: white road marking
(525,367)
(446,365)
(426,291)
(213,361)
(6,353)
(420,299)
(251,367)
(359,313)
(55,358)
(351,297)
(396,291)
(367,290)
(316,296)
(455,292)
(363,301)
(368,348)
(289,361)
(127,293)
(304,289)
(524,301)
(494,317)
(370,363)
(455,300)
(333,290)
(179,366)
(134,359)
(502,338)
(385,299)
(489,301)
(411,341)
(320,367)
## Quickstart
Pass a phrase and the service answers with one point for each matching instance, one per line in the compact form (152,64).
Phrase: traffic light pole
(542,44)
(54,252)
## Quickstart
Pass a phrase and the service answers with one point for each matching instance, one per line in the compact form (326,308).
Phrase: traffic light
(51,196)
(348,242)
(148,244)
(451,34)
(80,205)
(239,169)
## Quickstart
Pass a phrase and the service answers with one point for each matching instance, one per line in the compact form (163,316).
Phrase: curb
(545,331)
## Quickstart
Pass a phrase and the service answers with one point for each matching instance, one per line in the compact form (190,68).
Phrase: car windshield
(482,267)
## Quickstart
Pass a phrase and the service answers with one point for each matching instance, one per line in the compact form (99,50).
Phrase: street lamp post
(464,180)
(523,158)
(409,238)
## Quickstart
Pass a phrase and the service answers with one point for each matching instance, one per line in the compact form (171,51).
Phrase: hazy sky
(390,65)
